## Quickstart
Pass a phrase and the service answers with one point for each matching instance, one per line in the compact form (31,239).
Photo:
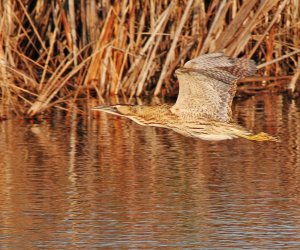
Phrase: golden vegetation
(55,53)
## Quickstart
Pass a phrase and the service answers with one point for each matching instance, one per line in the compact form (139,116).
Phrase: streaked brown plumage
(203,107)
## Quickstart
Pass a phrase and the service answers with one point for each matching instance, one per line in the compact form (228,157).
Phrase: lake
(86,183)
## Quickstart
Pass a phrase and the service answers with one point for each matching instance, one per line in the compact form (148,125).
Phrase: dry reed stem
(236,25)
(278,59)
(245,35)
(52,41)
(32,25)
(292,84)
(73,30)
(45,97)
(158,26)
(171,53)
(208,38)
(258,43)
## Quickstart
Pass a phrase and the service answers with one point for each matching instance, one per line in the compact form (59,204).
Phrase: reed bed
(59,53)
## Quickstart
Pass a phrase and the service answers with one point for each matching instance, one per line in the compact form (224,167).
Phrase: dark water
(107,182)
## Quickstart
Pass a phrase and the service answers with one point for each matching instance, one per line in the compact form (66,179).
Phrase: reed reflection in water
(107,182)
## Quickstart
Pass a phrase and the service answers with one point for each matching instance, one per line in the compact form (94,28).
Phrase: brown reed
(54,53)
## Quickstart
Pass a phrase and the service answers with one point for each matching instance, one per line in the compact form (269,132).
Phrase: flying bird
(207,85)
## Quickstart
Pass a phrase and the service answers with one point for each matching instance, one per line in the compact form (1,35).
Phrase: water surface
(86,183)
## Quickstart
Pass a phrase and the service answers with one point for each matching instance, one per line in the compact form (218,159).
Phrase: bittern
(207,85)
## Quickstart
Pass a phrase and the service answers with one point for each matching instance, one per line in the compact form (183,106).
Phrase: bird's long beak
(108,109)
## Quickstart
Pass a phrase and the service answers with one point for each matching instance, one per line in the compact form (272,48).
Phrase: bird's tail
(259,137)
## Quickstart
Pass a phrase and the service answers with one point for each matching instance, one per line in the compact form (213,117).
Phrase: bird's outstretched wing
(207,85)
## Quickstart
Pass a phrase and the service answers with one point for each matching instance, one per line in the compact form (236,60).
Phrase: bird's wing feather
(207,85)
